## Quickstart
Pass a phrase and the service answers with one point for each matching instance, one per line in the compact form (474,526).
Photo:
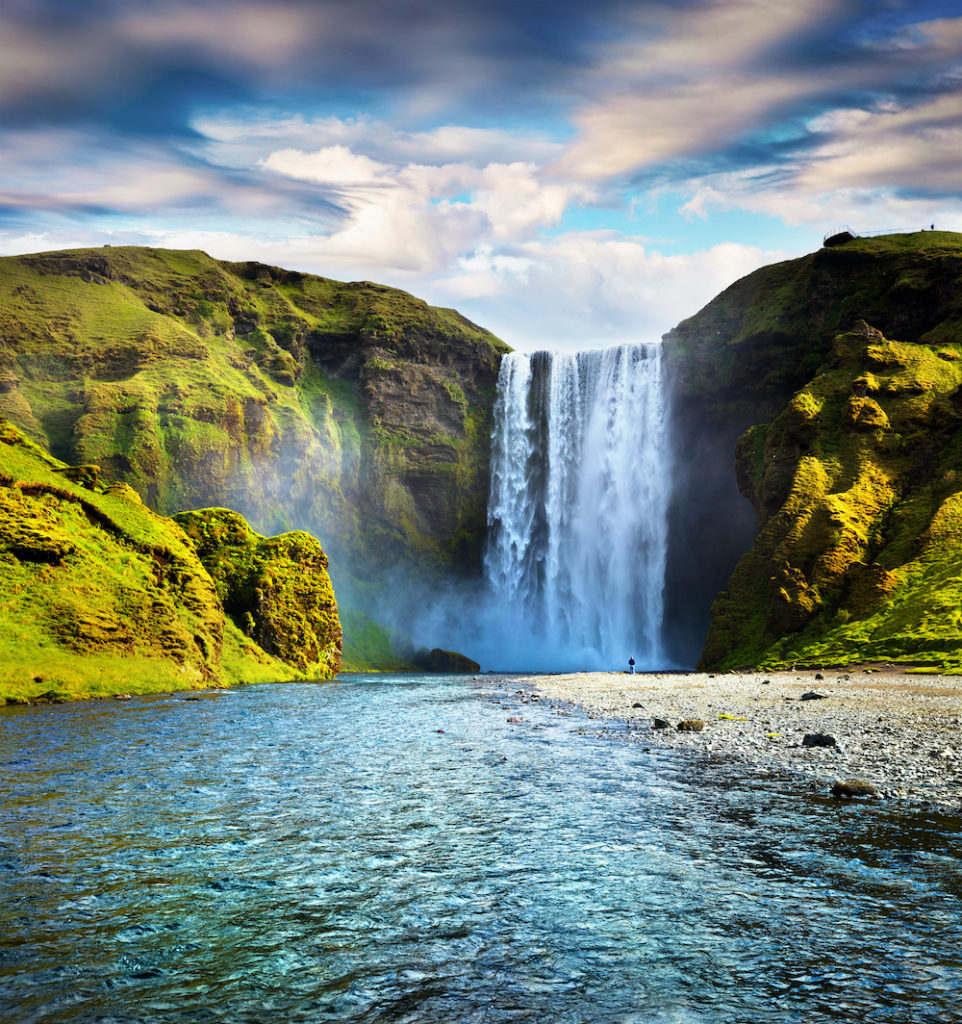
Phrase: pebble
(900,733)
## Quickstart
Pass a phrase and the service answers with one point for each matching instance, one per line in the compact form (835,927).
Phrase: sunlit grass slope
(858,488)
(100,595)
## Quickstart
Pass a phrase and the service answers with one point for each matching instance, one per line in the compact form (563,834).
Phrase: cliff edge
(836,379)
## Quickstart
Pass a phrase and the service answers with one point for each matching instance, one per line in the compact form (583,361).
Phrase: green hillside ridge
(754,345)
(354,411)
(102,596)
(852,458)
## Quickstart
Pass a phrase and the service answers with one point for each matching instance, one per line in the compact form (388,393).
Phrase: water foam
(577,515)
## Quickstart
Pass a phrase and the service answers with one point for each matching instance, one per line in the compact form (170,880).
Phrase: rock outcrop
(353,411)
(100,595)
(841,374)
(276,589)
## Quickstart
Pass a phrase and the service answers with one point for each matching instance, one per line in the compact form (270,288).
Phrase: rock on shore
(896,732)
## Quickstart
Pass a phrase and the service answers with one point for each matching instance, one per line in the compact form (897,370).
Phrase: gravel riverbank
(900,733)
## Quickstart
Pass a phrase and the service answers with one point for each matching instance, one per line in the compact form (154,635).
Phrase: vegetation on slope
(739,362)
(100,595)
(858,489)
(763,338)
(354,411)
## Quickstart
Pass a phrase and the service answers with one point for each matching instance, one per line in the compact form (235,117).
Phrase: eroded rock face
(859,548)
(832,380)
(276,589)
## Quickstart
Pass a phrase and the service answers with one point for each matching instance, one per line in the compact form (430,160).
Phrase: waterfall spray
(577,516)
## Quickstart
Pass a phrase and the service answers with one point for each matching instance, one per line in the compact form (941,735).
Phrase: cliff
(100,595)
(353,411)
(847,448)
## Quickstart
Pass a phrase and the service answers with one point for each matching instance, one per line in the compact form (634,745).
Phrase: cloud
(105,61)
(704,79)
(421,217)
(589,289)
(333,165)
(912,148)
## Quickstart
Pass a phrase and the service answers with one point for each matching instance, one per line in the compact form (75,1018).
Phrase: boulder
(819,739)
(438,660)
(854,789)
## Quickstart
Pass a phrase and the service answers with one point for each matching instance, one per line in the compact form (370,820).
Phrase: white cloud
(915,147)
(688,85)
(333,165)
(702,78)
(587,289)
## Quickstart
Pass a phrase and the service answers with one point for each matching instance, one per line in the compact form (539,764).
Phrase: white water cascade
(577,514)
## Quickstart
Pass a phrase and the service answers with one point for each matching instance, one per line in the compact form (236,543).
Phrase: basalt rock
(438,660)
(819,739)
(854,789)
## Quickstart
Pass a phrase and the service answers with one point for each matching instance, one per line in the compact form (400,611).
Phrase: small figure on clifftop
(631,666)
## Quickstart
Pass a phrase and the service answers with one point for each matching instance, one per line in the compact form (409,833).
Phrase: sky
(566,174)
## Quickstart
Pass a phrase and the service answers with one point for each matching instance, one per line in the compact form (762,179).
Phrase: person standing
(631,666)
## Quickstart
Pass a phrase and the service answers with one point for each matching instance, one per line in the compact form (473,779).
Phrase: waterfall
(577,515)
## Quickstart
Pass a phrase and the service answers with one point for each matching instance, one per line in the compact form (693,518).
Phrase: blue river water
(393,849)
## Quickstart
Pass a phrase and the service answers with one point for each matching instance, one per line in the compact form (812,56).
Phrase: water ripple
(324,853)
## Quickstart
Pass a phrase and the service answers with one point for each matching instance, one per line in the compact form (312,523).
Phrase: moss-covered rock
(275,589)
(351,410)
(101,595)
(859,551)
(757,372)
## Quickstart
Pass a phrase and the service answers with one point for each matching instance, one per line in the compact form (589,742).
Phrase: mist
(574,565)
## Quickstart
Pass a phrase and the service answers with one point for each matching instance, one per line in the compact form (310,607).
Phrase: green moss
(101,595)
(767,335)
(370,647)
(276,590)
(859,558)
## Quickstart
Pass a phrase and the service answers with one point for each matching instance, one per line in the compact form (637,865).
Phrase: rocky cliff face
(353,411)
(100,595)
(848,455)
(275,589)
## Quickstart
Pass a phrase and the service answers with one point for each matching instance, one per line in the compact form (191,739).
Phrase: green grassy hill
(852,456)
(100,595)
(353,411)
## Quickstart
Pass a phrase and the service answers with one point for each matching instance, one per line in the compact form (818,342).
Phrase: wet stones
(812,695)
(659,723)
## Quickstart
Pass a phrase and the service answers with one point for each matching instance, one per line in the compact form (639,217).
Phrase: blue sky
(566,174)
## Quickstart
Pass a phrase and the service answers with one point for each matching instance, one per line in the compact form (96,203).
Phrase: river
(393,849)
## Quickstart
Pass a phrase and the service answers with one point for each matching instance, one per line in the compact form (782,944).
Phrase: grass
(102,596)
(859,557)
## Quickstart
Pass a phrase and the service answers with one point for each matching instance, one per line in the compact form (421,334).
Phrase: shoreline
(900,733)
